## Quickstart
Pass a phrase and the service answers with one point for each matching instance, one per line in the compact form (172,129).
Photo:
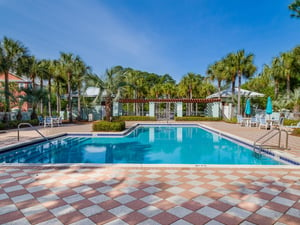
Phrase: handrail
(21,124)
(261,145)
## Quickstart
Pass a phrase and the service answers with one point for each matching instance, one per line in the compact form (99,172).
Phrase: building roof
(14,78)
(228,93)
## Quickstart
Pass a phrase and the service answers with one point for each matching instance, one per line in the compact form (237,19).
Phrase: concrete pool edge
(139,165)
(283,157)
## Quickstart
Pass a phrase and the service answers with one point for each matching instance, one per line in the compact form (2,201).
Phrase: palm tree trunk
(276,89)
(58,105)
(288,86)
(41,103)
(79,103)
(108,108)
(49,98)
(7,102)
(239,93)
(70,98)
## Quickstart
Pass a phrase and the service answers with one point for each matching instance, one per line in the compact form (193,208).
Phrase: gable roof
(14,78)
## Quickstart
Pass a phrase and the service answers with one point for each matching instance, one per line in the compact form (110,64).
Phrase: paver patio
(135,194)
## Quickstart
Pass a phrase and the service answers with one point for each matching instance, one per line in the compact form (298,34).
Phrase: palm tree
(81,72)
(11,55)
(295,6)
(110,87)
(186,86)
(168,89)
(56,70)
(67,67)
(287,62)
(277,73)
(245,67)
(217,72)
(34,96)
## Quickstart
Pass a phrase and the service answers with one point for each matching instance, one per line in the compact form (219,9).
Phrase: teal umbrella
(248,107)
(269,108)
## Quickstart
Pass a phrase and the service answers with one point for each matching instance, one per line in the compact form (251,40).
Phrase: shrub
(296,132)
(137,118)
(108,126)
(197,118)
(288,122)
(233,120)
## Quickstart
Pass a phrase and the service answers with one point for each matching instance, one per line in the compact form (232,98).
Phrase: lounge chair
(240,120)
(253,122)
(48,121)
(263,123)
(41,120)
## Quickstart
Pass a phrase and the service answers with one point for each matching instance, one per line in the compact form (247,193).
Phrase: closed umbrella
(269,108)
(248,107)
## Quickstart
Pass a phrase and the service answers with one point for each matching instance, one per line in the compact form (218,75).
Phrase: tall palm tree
(217,72)
(245,67)
(11,55)
(277,73)
(67,67)
(287,62)
(187,85)
(81,72)
(112,84)
(56,70)
(295,6)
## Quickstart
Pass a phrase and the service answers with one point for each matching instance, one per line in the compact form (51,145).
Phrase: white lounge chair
(48,121)
(263,123)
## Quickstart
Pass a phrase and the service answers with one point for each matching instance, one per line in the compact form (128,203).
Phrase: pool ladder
(28,124)
(268,136)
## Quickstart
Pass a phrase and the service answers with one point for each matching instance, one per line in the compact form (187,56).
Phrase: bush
(296,132)
(137,118)
(288,122)
(108,126)
(197,118)
(14,124)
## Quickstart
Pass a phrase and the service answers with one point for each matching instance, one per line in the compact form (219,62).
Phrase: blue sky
(159,36)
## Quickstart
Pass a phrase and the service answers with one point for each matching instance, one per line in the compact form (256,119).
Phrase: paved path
(149,195)
(140,195)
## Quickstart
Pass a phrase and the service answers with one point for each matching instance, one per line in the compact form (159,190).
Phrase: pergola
(178,102)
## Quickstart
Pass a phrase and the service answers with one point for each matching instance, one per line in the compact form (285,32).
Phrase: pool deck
(140,194)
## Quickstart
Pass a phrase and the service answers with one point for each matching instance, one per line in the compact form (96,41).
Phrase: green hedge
(137,118)
(197,118)
(14,124)
(296,132)
(288,122)
(108,126)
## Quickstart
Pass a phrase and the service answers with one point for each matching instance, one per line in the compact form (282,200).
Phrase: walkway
(149,195)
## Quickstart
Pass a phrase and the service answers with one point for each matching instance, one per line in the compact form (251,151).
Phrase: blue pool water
(148,145)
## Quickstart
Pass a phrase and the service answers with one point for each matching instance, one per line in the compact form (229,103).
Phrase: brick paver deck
(149,195)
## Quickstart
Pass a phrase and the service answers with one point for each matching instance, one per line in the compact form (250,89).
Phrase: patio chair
(240,120)
(263,123)
(57,121)
(253,122)
(41,120)
(48,121)
(278,123)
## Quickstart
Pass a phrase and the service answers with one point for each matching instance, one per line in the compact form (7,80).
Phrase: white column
(179,109)
(151,109)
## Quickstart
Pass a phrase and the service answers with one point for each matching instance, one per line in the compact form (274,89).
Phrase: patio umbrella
(269,108)
(248,108)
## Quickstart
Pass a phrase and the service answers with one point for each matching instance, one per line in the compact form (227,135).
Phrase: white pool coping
(233,138)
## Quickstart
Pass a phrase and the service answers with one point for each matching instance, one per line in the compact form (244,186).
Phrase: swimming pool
(145,145)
